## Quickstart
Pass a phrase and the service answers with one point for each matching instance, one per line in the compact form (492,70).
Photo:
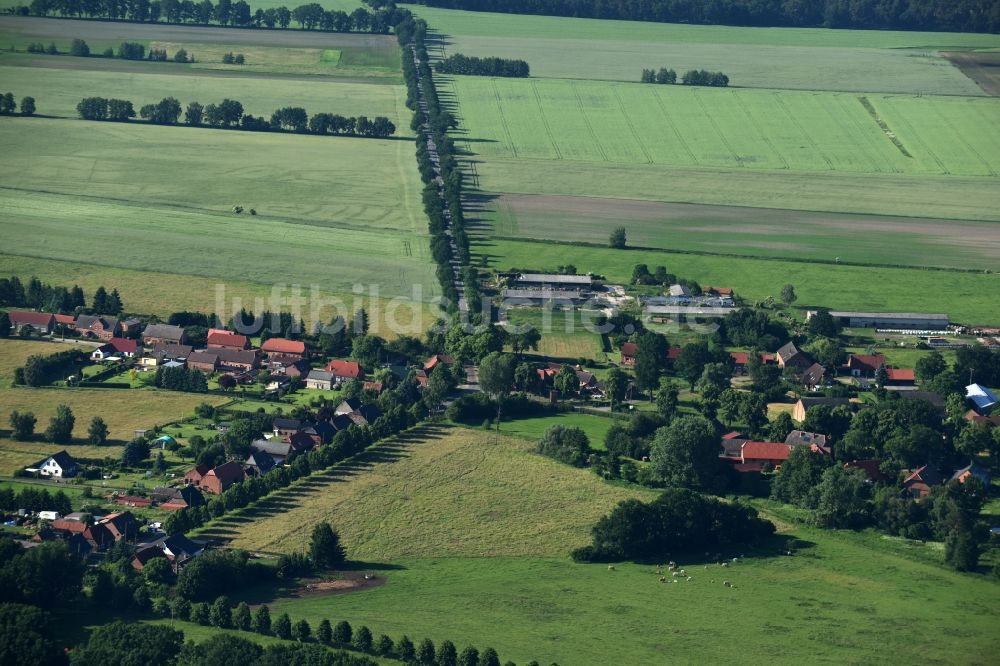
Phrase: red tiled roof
(72,526)
(739,358)
(871,468)
(283,346)
(28,317)
(68,320)
(873,361)
(124,345)
(767,357)
(735,434)
(765,451)
(630,349)
(344,368)
(227,473)
(438,358)
(227,339)
(900,375)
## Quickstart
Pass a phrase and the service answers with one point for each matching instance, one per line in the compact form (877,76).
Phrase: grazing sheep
(611,567)
(675,574)
(663,579)
(725,564)
(673,564)
(689,578)
(727,583)
(735,559)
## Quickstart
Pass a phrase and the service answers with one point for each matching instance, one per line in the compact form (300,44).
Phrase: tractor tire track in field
(503,119)
(861,130)
(760,131)
(916,136)
(865,102)
(586,120)
(545,121)
(807,135)
(628,120)
(964,142)
(673,127)
(983,117)
(718,130)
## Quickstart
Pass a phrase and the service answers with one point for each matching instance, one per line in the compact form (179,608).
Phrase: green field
(435,492)
(966,297)
(532,429)
(764,232)
(324,205)
(741,129)
(471,535)
(58,91)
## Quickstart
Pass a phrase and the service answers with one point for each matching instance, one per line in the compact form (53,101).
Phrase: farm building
(156,334)
(222,339)
(907,320)
(116,347)
(43,322)
(919,482)
(537,281)
(629,350)
(102,328)
(320,379)
(864,365)
(285,348)
(980,396)
(343,371)
(542,295)
(683,314)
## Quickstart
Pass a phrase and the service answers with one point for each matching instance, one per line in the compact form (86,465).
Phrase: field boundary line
(673,127)
(964,142)
(503,119)
(586,120)
(545,121)
(807,135)
(718,130)
(760,130)
(761,257)
(628,121)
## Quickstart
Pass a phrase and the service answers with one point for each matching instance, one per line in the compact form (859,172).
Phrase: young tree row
(692,77)
(8,105)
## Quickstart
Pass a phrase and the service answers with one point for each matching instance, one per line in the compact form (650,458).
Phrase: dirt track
(52,28)
(352,582)
(982,67)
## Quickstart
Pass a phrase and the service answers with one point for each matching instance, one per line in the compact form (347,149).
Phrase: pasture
(771,130)
(432,492)
(532,429)
(965,297)
(57,91)
(756,231)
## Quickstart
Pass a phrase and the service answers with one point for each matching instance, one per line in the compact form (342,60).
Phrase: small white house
(49,515)
(58,465)
(320,379)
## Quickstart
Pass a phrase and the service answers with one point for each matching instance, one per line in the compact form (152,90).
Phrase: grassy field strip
(790,130)
(58,91)
(485,24)
(945,197)
(764,232)
(966,297)
(436,491)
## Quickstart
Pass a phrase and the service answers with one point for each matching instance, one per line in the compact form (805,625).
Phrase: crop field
(754,231)
(745,129)
(966,297)
(436,491)
(57,91)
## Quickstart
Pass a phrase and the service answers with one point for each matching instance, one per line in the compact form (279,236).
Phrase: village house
(64,323)
(59,465)
(974,417)
(871,467)
(292,349)
(203,361)
(864,365)
(344,371)
(121,525)
(220,478)
(100,327)
(813,377)
(814,440)
(629,351)
(166,354)
(177,548)
(284,427)
(320,379)
(97,537)
(278,450)
(347,406)
(900,377)
(972,470)
(163,334)
(981,397)
(173,499)
(803,405)
(237,360)
(196,474)
(39,322)
(287,366)
(789,356)
(115,348)
(919,482)
(258,463)
(436,360)
(223,339)
(753,456)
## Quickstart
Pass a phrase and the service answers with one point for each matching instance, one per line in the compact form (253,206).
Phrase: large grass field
(966,297)
(741,129)
(755,231)
(472,533)
(58,91)
(434,492)
(324,204)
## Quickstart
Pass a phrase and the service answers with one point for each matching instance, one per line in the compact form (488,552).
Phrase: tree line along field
(966,297)
(766,232)
(471,532)
(57,91)
(743,129)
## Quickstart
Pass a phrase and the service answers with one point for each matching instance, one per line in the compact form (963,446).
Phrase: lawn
(965,297)
(57,91)
(767,232)
(632,123)
(532,429)
(437,491)
(566,336)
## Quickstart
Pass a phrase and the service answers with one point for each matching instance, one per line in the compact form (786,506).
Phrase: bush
(568,445)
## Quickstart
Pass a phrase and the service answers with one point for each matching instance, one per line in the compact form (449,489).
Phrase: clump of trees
(568,445)
(492,66)
(678,521)
(100,108)
(180,379)
(131,51)
(693,77)
(233,59)
(8,105)
(39,370)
